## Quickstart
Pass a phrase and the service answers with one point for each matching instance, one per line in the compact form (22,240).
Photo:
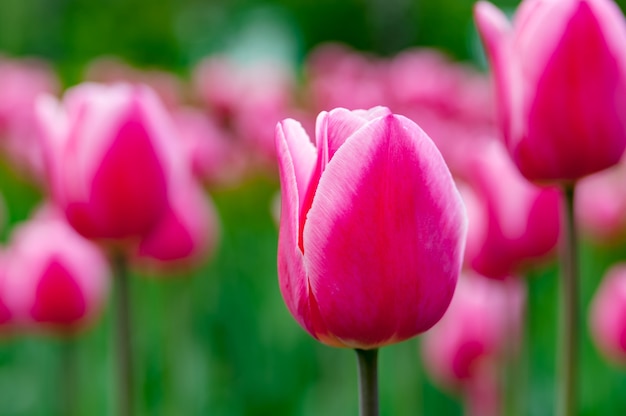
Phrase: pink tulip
(187,233)
(110,158)
(601,205)
(512,223)
(216,158)
(483,317)
(341,77)
(372,228)
(21,82)
(560,75)
(54,277)
(607,314)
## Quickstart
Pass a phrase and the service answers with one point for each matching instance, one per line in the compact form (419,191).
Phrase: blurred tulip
(601,205)
(372,228)
(110,157)
(341,77)
(55,279)
(187,233)
(607,315)
(250,98)
(216,158)
(483,317)
(560,74)
(512,223)
(21,82)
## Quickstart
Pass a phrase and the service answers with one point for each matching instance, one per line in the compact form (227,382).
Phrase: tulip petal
(568,107)
(386,223)
(296,158)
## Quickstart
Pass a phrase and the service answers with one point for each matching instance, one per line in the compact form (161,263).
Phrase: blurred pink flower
(21,82)
(601,205)
(341,77)
(512,223)
(560,77)
(372,228)
(55,279)
(111,153)
(248,98)
(472,336)
(607,314)
(186,235)
(216,158)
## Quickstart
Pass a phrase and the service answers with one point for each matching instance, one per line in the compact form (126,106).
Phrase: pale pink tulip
(216,158)
(55,279)
(607,315)
(372,228)
(484,316)
(560,76)
(341,77)
(111,153)
(250,98)
(21,82)
(601,205)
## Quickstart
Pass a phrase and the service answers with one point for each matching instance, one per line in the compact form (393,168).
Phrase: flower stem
(567,354)
(68,373)
(123,335)
(368,381)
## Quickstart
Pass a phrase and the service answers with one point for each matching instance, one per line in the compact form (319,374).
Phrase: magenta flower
(484,315)
(607,315)
(55,279)
(372,228)
(512,222)
(560,74)
(187,233)
(110,153)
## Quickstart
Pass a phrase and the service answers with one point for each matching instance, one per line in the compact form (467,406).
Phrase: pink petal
(296,158)
(382,239)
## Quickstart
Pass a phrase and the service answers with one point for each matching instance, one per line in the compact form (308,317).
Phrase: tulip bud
(54,277)
(512,223)
(560,75)
(483,317)
(372,228)
(109,158)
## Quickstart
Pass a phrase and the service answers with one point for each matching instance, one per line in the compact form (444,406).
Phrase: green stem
(567,353)
(68,383)
(368,381)
(123,335)
(516,359)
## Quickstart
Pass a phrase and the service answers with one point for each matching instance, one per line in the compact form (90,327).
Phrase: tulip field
(313,208)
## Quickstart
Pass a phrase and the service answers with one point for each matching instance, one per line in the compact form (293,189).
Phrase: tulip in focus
(560,75)
(372,228)
(55,279)
(607,315)
(109,151)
